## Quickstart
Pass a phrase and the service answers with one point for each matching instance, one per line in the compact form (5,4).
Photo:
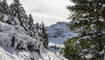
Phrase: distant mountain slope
(60,32)
(57,34)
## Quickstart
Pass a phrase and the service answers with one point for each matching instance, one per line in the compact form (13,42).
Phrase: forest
(82,38)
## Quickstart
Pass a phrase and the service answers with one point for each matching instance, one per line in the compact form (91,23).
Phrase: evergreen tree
(88,19)
(18,11)
(16,16)
(1,17)
(4,8)
(15,8)
(37,26)
(44,36)
(31,20)
(5,1)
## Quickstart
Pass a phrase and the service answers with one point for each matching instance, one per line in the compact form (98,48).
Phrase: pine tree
(31,26)
(44,36)
(89,21)
(15,16)
(4,8)
(31,20)
(16,10)
(5,1)
(37,26)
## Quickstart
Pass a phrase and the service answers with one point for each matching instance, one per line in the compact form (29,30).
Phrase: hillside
(16,52)
(57,34)
(20,38)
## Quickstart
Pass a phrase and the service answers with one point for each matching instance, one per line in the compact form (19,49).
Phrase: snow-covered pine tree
(44,36)
(5,1)
(17,16)
(15,8)
(30,20)
(4,8)
(37,26)
(18,11)
(89,21)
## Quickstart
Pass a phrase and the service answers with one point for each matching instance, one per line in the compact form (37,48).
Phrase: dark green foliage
(44,36)
(73,49)
(12,41)
(19,46)
(32,58)
(30,47)
(1,17)
(4,7)
(38,51)
(88,19)
(31,21)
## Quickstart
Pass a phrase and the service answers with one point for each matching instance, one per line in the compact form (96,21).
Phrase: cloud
(46,10)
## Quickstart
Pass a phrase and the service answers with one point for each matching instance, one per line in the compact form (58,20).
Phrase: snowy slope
(9,52)
(49,55)
(19,50)
(60,32)
(57,34)
(20,38)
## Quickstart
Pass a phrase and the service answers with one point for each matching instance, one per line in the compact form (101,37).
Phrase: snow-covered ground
(9,52)
(49,55)
(57,34)
(14,43)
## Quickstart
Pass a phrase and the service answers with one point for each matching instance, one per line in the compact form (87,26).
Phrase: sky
(47,11)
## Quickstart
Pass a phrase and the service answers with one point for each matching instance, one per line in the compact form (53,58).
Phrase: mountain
(57,34)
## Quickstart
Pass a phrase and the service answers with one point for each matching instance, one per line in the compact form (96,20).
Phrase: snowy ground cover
(9,51)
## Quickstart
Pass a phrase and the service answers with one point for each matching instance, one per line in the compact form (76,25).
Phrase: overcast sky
(48,11)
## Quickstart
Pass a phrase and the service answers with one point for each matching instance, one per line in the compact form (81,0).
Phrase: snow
(103,5)
(6,17)
(8,53)
(57,34)
(7,32)
(52,56)
(83,19)
(20,40)
(89,0)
